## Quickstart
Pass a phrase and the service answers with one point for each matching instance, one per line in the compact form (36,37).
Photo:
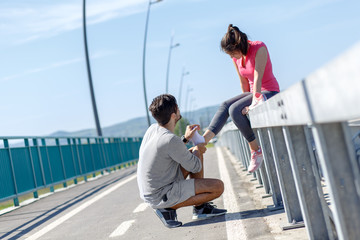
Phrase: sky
(43,80)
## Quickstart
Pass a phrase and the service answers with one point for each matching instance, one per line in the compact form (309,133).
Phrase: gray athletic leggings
(233,108)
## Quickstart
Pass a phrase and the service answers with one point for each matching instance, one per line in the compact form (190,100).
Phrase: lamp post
(191,107)
(189,89)
(144,52)
(184,73)
(168,63)
(97,122)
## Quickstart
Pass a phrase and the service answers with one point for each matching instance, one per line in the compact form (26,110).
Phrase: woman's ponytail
(234,40)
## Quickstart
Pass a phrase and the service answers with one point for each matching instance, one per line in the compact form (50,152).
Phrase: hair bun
(234,40)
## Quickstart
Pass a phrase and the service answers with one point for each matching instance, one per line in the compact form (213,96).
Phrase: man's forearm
(198,154)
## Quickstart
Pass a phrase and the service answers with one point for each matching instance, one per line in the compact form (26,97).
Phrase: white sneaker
(256,160)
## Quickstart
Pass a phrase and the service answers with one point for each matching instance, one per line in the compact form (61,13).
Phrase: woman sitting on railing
(253,64)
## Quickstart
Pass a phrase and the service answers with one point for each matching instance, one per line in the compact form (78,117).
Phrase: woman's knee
(236,115)
(224,106)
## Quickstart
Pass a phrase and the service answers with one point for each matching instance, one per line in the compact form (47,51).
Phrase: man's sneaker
(168,217)
(207,210)
(256,160)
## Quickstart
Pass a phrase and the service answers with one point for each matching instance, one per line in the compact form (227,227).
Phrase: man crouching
(165,163)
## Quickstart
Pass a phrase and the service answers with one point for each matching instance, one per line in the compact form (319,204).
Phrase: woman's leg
(221,116)
(241,121)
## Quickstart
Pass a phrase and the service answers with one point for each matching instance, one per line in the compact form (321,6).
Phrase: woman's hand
(200,148)
(190,130)
(245,110)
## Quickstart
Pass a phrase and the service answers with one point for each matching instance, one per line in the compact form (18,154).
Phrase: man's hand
(190,130)
(200,148)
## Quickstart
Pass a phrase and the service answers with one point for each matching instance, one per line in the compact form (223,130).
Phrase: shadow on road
(235,216)
(36,222)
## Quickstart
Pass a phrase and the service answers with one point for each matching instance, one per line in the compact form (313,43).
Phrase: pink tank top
(269,82)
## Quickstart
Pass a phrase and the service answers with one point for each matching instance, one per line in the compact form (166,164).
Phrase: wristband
(184,139)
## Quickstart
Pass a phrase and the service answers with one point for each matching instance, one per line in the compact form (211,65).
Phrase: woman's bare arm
(260,64)
(244,83)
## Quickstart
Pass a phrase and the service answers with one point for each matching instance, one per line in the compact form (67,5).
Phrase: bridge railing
(308,139)
(28,164)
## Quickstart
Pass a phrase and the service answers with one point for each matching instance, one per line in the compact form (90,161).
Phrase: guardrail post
(103,150)
(270,167)
(341,172)
(78,155)
(265,179)
(16,199)
(27,145)
(73,159)
(246,151)
(312,202)
(43,142)
(111,142)
(262,175)
(62,161)
(118,146)
(83,157)
(92,156)
(98,144)
(36,144)
(286,179)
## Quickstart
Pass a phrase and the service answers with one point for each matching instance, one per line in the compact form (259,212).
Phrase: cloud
(96,55)
(290,10)
(32,21)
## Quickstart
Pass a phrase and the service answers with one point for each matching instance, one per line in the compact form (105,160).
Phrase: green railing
(28,164)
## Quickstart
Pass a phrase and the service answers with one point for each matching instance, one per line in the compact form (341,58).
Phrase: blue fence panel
(6,179)
(50,161)
(37,166)
(75,156)
(98,159)
(46,165)
(88,158)
(68,161)
(23,169)
(125,150)
(56,164)
(109,153)
(118,153)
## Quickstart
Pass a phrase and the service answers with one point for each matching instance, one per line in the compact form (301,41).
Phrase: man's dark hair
(162,107)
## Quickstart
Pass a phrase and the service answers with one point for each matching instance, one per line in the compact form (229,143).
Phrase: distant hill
(136,127)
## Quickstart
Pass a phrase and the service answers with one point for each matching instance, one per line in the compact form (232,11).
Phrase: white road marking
(141,207)
(78,209)
(234,227)
(120,230)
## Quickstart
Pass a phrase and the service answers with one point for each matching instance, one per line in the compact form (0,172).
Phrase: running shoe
(207,210)
(256,160)
(168,217)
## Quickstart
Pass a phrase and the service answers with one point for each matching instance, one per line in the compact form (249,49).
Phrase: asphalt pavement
(109,207)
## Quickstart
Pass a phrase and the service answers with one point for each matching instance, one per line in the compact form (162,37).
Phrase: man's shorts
(179,191)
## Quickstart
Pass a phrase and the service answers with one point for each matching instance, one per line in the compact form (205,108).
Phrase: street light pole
(143,65)
(191,107)
(181,83)
(97,122)
(189,89)
(168,64)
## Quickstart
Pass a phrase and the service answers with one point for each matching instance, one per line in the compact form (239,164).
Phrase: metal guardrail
(307,140)
(28,164)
